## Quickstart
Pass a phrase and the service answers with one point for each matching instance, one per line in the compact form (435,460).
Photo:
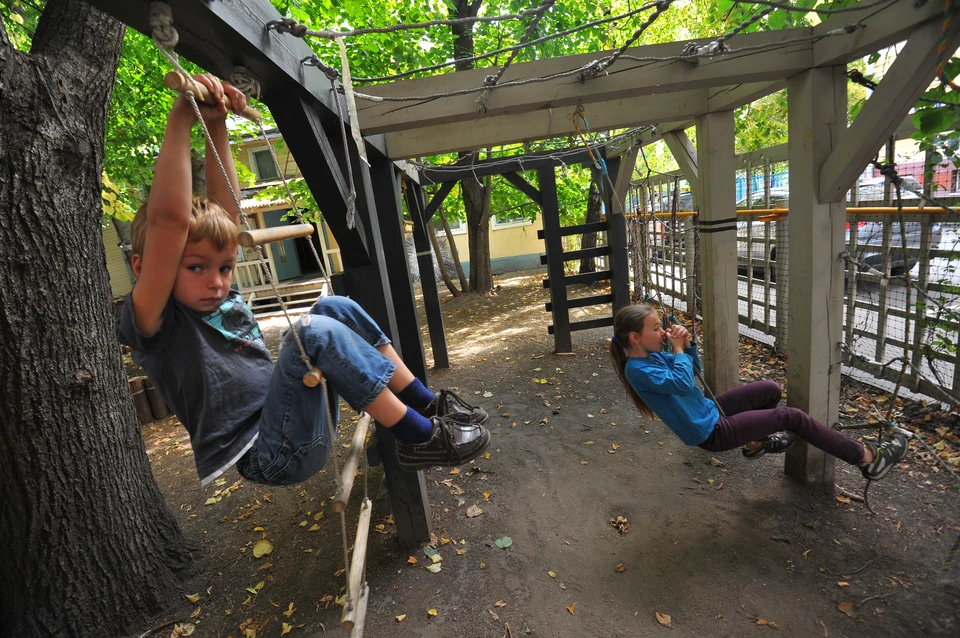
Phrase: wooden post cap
(312,378)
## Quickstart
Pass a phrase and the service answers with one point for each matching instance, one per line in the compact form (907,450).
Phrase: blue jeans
(294,442)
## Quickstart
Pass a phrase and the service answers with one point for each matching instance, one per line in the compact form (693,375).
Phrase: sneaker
(774,444)
(452,443)
(448,404)
(885,456)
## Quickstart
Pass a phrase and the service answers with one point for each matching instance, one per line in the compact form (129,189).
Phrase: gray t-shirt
(212,370)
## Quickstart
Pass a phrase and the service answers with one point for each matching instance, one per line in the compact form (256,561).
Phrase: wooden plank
(544,124)
(585,278)
(579,229)
(584,253)
(686,155)
(260,236)
(465,169)
(583,302)
(350,465)
(817,115)
(776,153)
(906,80)
(727,98)
(587,324)
(624,80)
(431,297)
(437,200)
(522,185)
(554,245)
(628,163)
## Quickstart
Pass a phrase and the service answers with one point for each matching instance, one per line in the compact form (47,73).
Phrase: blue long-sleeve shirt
(665,383)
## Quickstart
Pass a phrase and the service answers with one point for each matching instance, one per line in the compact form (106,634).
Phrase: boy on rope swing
(202,348)
(656,367)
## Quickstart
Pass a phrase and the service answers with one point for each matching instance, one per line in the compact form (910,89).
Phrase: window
(457,226)
(510,218)
(955,180)
(262,163)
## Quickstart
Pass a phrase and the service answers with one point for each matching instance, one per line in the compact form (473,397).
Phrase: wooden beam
(817,115)
(718,241)
(219,36)
(437,200)
(906,80)
(628,162)
(543,124)
(777,153)
(648,137)
(500,165)
(554,247)
(522,185)
(686,155)
(424,247)
(727,98)
(882,26)
(625,79)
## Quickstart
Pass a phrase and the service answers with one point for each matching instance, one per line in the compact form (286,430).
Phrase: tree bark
(454,251)
(476,196)
(88,546)
(589,240)
(432,234)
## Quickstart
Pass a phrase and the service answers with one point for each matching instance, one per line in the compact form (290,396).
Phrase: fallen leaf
(454,470)
(620,568)
(487,395)
(552,574)
(664,619)
(715,462)
(401,617)
(194,598)
(436,558)
(196,612)
(313,528)
(781,538)
(290,610)
(843,584)
(572,609)
(412,560)
(843,499)
(483,564)
(473,511)
(432,612)
(210,501)
(262,547)
(433,569)
(461,551)
(500,603)
(761,621)
(494,614)
(285,629)
(847,608)
(504,542)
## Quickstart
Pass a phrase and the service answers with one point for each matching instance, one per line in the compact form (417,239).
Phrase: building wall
(511,248)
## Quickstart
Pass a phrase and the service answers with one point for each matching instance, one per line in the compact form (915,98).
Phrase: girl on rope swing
(656,366)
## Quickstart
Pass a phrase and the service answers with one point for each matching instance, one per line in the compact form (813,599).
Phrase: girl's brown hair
(627,320)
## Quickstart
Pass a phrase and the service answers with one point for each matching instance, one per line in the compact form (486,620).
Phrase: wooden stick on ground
(349,471)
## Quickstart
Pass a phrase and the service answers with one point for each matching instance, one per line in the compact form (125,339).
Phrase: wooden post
(718,254)
(431,298)
(157,405)
(817,116)
(553,241)
(781,271)
(619,264)
(140,400)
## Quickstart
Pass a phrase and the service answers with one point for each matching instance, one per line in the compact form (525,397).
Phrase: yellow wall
(506,242)
(120,282)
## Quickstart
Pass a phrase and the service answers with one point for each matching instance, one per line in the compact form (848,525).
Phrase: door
(284,252)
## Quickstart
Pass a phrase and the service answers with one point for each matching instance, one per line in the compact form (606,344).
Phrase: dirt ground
(616,527)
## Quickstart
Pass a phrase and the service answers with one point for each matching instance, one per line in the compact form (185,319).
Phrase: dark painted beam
(516,180)
(437,200)
(428,283)
(554,244)
(616,240)
(464,169)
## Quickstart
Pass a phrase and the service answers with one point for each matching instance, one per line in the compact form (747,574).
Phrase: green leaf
(504,542)
(931,121)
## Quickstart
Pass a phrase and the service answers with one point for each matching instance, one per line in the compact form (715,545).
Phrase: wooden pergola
(825,158)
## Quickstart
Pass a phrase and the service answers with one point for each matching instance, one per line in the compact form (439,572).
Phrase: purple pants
(752,415)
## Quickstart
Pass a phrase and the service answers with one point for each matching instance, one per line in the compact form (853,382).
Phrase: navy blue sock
(413,427)
(416,395)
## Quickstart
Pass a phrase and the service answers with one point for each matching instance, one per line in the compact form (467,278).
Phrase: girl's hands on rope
(218,92)
(679,338)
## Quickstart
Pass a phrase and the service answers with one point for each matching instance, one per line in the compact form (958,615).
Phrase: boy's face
(204,276)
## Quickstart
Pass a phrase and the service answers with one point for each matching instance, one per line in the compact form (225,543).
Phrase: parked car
(758,198)
(871,189)
(870,240)
(757,249)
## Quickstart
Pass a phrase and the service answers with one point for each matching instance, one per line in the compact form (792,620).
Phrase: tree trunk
(589,240)
(432,234)
(476,196)
(88,547)
(454,251)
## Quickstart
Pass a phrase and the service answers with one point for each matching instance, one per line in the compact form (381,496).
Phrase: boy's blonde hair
(208,221)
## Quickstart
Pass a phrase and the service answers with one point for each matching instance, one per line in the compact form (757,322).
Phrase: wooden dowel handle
(257,236)
(179,82)
(352,616)
(312,378)
(360,614)
(349,470)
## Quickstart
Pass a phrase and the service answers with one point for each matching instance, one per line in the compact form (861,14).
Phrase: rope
(942,54)
(605,63)
(818,10)
(352,199)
